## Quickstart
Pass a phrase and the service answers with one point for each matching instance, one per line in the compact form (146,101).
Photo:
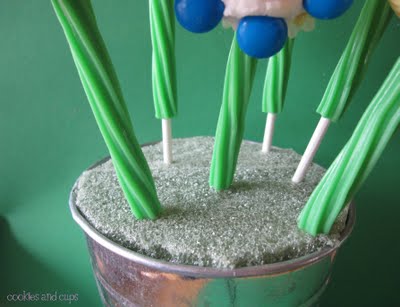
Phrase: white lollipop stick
(311,149)
(269,132)
(167,140)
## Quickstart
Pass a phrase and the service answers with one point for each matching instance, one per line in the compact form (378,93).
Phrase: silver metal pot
(126,278)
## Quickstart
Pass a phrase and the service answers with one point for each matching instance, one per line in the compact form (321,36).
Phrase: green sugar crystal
(252,223)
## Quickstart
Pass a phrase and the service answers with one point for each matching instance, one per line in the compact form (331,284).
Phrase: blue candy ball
(261,36)
(199,16)
(327,9)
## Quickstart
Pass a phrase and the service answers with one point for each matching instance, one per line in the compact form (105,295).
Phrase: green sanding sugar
(253,223)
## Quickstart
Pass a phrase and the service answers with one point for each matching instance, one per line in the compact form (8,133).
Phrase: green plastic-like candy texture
(276,79)
(162,26)
(239,78)
(105,97)
(349,72)
(356,160)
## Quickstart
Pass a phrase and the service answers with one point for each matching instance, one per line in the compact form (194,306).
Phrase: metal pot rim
(197,271)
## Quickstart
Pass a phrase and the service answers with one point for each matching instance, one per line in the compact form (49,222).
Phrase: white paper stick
(311,149)
(167,140)
(269,132)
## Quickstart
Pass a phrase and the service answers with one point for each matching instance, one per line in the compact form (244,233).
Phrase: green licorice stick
(356,160)
(162,25)
(239,78)
(105,97)
(349,72)
(276,79)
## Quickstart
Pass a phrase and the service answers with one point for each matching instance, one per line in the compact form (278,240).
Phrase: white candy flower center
(290,10)
(287,9)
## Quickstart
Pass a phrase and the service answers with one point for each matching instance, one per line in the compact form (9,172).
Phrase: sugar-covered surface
(250,224)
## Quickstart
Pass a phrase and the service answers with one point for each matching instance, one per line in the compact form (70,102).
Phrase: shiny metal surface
(126,278)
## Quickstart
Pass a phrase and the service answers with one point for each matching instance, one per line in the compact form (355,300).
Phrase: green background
(48,136)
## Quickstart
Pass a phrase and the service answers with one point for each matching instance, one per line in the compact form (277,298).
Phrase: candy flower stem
(167,140)
(354,163)
(105,97)
(311,149)
(351,68)
(239,78)
(269,132)
(349,72)
(162,28)
(275,86)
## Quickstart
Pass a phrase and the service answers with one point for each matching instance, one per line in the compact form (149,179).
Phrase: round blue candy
(326,9)
(199,16)
(261,36)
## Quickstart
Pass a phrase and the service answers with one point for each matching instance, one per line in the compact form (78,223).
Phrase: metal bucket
(126,278)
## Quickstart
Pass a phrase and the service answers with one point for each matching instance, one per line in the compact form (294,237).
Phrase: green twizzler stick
(349,72)
(352,166)
(162,26)
(105,97)
(276,79)
(239,78)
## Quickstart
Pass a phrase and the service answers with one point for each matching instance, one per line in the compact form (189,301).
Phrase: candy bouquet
(291,229)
